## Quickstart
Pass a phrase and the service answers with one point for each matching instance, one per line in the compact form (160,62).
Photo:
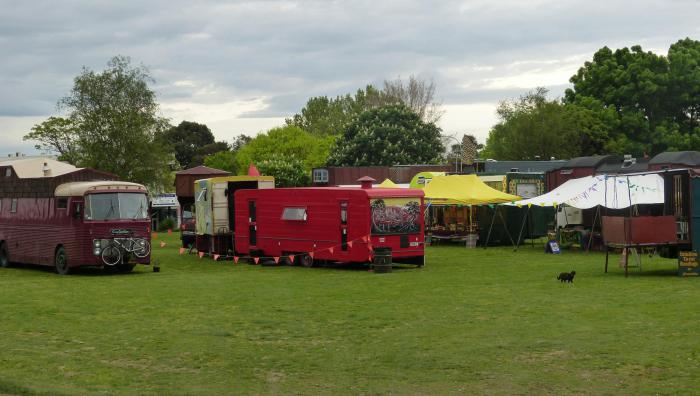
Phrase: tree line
(626,101)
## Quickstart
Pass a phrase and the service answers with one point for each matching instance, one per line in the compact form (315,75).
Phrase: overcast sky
(242,67)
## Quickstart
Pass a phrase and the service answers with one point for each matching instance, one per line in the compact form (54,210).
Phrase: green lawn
(473,320)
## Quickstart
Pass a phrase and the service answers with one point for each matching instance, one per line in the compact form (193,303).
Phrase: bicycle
(114,252)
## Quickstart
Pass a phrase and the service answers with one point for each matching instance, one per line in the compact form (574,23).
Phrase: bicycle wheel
(111,255)
(141,248)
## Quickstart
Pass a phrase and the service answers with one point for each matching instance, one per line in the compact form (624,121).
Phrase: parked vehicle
(56,214)
(215,209)
(330,224)
(184,189)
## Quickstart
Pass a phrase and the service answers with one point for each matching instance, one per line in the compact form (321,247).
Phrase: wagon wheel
(307,261)
(4,256)
(61,262)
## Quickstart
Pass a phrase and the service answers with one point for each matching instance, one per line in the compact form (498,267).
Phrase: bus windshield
(116,206)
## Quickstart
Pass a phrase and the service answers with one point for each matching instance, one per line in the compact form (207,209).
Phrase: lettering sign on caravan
(395,216)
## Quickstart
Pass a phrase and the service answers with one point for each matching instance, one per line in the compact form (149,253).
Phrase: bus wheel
(61,261)
(307,261)
(4,255)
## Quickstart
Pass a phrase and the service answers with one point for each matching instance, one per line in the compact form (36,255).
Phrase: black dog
(566,277)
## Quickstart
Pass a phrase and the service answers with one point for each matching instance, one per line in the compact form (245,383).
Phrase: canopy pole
(590,237)
(629,195)
(522,227)
(493,219)
(505,226)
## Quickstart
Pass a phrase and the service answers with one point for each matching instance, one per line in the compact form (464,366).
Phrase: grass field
(473,320)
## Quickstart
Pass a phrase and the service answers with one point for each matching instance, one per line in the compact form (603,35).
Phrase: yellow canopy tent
(387,183)
(463,190)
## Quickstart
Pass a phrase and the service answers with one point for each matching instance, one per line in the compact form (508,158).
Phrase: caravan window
(202,195)
(298,214)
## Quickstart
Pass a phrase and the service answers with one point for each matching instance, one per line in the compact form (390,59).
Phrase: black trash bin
(382,260)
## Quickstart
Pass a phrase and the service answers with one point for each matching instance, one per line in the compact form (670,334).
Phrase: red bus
(330,224)
(57,215)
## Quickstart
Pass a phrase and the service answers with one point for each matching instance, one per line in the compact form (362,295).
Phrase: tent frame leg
(522,227)
(488,236)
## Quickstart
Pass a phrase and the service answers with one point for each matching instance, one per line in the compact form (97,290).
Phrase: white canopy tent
(610,191)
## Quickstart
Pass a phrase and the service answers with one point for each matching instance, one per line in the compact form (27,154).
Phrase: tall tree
(323,116)
(285,142)
(418,95)
(117,126)
(533,127)
(210,149)
(186,139)
(388,135)
(288,172)
(57,135)
(654,98)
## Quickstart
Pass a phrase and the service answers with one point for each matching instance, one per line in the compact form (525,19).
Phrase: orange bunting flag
(170,231)
(182,250)
(291,258)
(350,244)
(235,259)
(331,250)
(277,260)
(162,244)
(216,257)
(256,259)
(201,254)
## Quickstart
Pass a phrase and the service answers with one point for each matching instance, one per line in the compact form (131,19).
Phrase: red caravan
(334,223)
(55,214)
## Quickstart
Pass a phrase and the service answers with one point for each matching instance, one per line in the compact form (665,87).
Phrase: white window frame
(294,213)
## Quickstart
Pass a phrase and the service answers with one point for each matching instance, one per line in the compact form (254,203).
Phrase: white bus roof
(80,188)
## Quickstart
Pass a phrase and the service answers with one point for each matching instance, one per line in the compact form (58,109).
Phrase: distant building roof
(202,170)
(593,161)
(503,167)
(690,158)
(37,167)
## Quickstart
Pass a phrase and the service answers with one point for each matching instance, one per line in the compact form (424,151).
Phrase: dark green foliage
(210,149)
(389,135)
(187,139)
(654,99)
(166,224)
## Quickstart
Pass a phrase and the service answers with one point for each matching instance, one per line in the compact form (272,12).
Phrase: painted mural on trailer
(395,216)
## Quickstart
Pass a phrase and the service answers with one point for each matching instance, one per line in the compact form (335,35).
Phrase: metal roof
(503,167)
(202,170)
(640,165)
(593,161)
(691,158)
(38,167)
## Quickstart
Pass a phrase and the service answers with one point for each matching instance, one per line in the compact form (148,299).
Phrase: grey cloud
(289,51)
